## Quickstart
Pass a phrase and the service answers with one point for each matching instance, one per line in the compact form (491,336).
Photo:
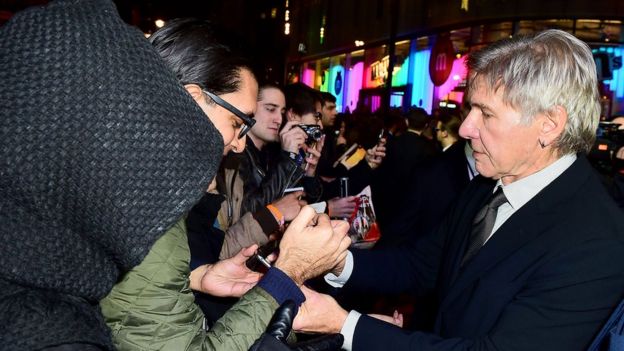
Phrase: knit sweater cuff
(281,287)
(267,221)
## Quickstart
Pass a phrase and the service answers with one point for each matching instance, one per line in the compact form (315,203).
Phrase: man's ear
(552,124)
(195,91)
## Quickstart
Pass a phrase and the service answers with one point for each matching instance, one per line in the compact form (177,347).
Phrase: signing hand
(229,277)
(312,245)
(320,313)
(341,207)
(290,205)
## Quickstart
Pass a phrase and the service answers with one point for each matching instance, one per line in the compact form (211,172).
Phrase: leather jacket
(267,173)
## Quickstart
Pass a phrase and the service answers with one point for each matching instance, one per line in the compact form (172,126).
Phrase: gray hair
(540,72)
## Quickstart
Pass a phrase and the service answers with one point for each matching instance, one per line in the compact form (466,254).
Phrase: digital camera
(313,131)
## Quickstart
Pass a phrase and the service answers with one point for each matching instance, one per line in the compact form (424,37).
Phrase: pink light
(308,77)
(458,73)
(355,85)
(368,83)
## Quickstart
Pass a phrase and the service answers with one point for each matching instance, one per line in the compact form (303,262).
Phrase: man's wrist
(348,329)
(277,214)
(339,321)
(290,268)
(196,277)
(279,285)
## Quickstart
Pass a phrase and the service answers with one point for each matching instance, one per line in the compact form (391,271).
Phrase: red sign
(441,60)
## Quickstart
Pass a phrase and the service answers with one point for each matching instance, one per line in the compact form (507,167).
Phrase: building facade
(401,53)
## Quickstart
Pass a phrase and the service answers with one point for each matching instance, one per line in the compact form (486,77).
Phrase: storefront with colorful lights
(429,71)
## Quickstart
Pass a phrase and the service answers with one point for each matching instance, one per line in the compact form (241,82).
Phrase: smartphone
(259,261)
(344,186)
(292,190)
(382,134)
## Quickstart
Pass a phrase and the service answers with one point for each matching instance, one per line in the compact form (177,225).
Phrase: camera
(609,139)
(313,132)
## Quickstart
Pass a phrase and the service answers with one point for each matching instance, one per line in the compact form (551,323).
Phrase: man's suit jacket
(546,280)
(457,167)
(427,200)
(403,155)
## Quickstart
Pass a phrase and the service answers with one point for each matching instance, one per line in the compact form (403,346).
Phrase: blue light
(422,86)
(618,75)
(337,84)
(616,83)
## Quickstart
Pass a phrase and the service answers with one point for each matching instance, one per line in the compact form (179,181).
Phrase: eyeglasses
(248,121)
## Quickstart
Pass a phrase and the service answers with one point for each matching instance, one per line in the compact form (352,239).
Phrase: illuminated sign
(441,60)
(379,70)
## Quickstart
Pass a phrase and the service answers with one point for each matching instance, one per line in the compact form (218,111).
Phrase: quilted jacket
(153,308)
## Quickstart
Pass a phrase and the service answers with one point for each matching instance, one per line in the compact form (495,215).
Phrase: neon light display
(336,84)
(399,77)
(324,81)
(396,100)
(422,87)
(615,84)
(458,74)
(308,77)
(354,85)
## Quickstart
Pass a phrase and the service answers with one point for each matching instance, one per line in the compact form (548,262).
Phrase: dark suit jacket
(456,166)
(403,154)
(427,200)
(546,280)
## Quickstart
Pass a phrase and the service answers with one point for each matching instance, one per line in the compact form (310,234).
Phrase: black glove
(329,342)
(274,338)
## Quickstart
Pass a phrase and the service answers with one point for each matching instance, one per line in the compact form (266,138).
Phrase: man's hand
(229,277)
(375,155)
(396,318)
(320,313)
(341,207)
(312,245)
(290,205)
(292,138)
(313,154)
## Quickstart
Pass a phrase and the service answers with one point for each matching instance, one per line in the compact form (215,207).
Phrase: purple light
(458,73)
(355,84)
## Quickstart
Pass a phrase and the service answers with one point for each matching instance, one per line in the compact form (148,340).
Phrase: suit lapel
(521,228)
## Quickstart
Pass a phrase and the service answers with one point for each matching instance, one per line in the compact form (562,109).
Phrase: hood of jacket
(102,150)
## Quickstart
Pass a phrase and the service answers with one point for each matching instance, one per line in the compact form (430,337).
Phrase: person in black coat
(530,257)
(404,154)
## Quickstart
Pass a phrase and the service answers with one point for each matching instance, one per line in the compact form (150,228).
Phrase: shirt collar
(523,190)
(471,160)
